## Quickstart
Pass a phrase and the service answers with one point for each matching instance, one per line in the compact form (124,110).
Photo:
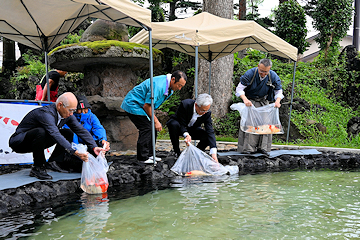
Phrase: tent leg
(152,98)
(291,101)
(196,70)
(209,78)
(47,76)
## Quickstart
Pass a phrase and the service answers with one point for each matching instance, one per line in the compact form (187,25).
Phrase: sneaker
(40,173)
(156,158)
(53,166)
(149,161)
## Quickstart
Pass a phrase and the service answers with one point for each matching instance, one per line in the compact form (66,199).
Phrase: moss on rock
(100,47)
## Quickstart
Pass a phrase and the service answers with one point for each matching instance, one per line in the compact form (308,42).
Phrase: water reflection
(95,214)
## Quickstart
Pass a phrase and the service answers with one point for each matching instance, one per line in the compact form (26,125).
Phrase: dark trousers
(196,133)
(37,139)
(144,144)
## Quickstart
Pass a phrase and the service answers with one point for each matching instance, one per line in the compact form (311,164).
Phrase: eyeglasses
(266,72)
(202,111)
(70,110)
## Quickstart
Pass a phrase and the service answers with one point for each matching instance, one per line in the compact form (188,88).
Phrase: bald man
(41,128)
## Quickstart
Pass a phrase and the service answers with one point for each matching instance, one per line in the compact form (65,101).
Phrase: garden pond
(281,205)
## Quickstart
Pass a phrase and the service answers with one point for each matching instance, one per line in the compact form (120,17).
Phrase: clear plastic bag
(192,161)
(261,120)
(93,175)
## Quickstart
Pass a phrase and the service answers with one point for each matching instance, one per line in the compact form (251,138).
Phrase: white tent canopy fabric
(41,24)
(215,37)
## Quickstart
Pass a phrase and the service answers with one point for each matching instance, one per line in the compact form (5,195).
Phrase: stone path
(165,145)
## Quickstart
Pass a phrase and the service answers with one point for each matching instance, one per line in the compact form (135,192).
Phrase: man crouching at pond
(41,128)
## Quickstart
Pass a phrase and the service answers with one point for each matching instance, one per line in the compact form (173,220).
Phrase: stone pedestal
(108,81)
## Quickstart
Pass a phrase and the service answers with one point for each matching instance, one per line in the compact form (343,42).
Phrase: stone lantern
(109,67)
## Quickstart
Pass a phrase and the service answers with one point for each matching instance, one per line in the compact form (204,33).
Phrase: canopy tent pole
(196,70)
(47,76)
(291,101)
(210,78)
(152,98)
(44,42)
(210,59)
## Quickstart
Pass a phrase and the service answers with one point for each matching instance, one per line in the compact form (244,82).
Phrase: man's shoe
(40,173)
(53,166)
(149,161)
(262,151)
(156,158)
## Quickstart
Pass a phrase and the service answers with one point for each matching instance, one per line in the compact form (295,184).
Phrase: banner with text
(11,115)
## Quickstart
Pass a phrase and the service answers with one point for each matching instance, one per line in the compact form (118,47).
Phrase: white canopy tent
(210,37)
(41,24)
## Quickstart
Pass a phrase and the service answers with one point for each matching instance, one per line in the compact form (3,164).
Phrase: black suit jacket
(47,118)
(184,114)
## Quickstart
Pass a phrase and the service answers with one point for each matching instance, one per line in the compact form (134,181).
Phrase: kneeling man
(41,128)
(187,122)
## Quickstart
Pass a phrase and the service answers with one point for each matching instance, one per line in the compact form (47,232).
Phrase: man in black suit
(41,128)
(187,122)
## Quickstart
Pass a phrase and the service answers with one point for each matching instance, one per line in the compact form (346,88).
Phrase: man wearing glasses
(258,86)
(41,128)
(187,121)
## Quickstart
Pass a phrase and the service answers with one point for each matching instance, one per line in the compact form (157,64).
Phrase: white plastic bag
(192,161)
(261,120)
(93,175)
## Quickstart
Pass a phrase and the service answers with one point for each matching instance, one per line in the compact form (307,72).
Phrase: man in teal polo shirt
(137,104)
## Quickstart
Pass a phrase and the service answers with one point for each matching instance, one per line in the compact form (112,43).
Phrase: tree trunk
(242,9)
(221,69)
(9,59)
(172,15)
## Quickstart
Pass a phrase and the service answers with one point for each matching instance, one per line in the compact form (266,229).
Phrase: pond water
(282,205)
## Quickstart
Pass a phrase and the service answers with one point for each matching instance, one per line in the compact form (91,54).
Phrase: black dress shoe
(174,154)
(53,166)
(262,151)
(40,173)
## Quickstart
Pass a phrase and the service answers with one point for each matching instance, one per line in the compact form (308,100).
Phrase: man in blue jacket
(91,123)
(137,103)
(187,122)
(258,86)
(41,128)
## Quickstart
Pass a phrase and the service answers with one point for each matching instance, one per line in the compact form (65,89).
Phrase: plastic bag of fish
(261,120)
(93,175)
(194,162)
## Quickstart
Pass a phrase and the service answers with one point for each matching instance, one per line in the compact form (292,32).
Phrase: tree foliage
(290,24)
(331,19)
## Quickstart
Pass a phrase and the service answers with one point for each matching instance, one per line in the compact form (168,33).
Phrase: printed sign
(11,115)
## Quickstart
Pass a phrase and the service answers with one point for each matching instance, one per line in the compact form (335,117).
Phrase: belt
(259,99)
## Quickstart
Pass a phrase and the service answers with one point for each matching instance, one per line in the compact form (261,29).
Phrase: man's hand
(246,101)
(158,126)
(277,103)
(187,140)
(106,145)
(214,156)
(83,156)
(98,150)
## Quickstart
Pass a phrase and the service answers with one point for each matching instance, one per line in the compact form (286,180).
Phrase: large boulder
(105,30)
